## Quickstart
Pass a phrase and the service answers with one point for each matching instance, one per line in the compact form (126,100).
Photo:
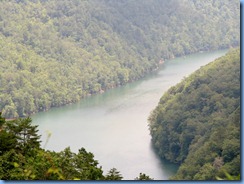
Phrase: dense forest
(56,52)
(22,158)
(197,122)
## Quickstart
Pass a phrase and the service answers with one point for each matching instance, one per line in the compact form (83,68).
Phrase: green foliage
(25,134)
(2,120)
(54,53)
(21,157)
(143,176)
(229,177)
(8,141)
(113,174)
(197,122)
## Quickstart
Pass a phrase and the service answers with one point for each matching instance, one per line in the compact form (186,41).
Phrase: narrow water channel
(113,125)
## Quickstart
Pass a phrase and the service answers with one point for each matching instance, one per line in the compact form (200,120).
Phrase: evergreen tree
(113,174)
(25,134)
(2,121)
(143,176)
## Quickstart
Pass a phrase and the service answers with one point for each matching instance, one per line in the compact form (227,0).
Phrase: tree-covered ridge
(197,122)
(56,52)
(22,158)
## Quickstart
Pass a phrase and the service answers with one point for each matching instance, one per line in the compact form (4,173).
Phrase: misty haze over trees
(56,52)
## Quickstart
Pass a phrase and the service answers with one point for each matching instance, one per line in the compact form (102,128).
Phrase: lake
(113,125)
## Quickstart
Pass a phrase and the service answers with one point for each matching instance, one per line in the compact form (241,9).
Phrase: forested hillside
(197,122)
(56,52)
(22,157)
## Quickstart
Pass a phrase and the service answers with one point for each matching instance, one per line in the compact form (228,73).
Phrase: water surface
(113,125)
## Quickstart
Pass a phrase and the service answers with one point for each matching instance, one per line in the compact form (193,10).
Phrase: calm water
(114,125)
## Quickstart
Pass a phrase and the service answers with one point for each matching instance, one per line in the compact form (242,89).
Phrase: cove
(113,125)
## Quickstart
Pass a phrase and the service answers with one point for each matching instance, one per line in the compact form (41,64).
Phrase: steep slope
(57,52)
(197,122)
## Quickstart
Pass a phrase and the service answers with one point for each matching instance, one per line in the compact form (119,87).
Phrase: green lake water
(114,126)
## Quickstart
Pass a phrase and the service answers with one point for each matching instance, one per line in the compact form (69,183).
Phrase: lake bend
(113,125)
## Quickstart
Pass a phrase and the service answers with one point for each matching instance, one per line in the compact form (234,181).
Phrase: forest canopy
(56,52)
(197,122)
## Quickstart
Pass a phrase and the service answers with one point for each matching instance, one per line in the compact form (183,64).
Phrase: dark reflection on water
(169,167)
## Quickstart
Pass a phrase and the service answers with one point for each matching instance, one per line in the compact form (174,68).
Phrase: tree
(8,140)
(2,121)
(87,166)
(25,134)
(143,176)
(51,49)
(197,122)
(113,174)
